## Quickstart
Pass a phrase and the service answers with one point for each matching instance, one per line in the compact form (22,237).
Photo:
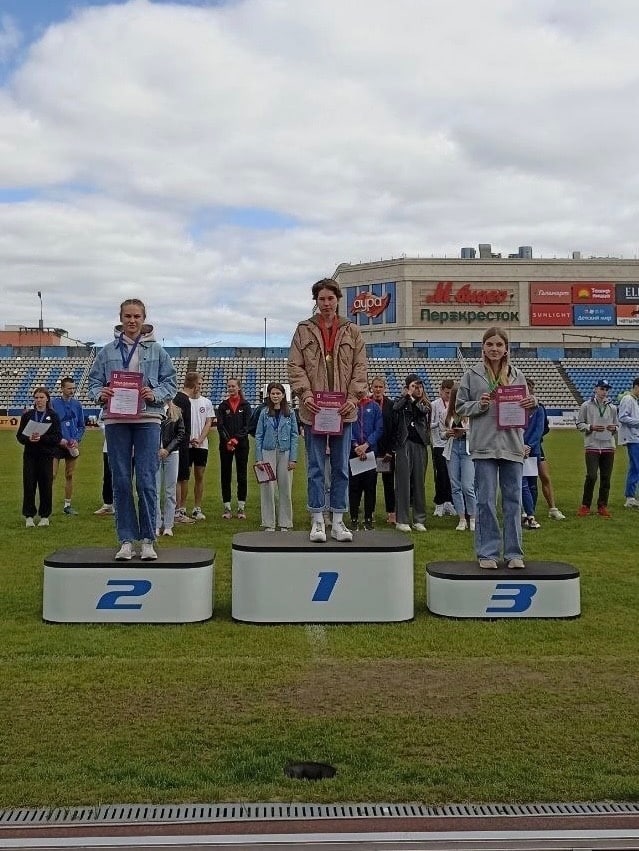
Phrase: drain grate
(189,813)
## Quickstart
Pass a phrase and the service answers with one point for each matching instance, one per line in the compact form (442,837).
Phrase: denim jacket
(285,439)
(155,365)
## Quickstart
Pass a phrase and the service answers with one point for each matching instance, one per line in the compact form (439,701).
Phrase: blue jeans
(632,478)
(137,442)
(529,495)
(340,449)
(461,472)
(489,474)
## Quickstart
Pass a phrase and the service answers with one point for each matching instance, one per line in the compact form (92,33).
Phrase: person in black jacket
(37,462)
(233,418)
(411,435)
(171,438)
(384,446)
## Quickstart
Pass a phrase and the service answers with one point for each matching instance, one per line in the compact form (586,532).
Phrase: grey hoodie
(485,440)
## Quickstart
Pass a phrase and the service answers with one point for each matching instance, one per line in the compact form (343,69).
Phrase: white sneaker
(419,527)
(462,525)
(556,514)
(339,532)
(269,528)
(44,521)
(30,522)
(318,533)
(439,511)
(125,553)
(471,524)
(196,514)
(631,502)
(104,510)
(449,509)
(402,527)
(147,552)
(168,532)
(284,529)
(158,532)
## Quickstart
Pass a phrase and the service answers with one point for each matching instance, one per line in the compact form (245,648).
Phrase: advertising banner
(551,314)
(371,304)
(439,303)
(627,292)
(550,292)
(593,314)
(593,293)
(628,314)
(9,423)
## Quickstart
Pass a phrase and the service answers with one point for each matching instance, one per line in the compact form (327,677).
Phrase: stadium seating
(561,384)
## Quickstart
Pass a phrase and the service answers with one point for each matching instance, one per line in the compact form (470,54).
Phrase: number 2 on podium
(327,582)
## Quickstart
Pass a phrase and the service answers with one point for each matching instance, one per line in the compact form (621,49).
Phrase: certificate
(126,400)
(328,419)
(361,465)
(34,427)
(510,414)
(530,466)
(264,475)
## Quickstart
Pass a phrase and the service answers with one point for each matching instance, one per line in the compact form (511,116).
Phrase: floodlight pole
(40,324)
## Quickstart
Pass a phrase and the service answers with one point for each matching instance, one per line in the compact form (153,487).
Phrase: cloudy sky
(216,158)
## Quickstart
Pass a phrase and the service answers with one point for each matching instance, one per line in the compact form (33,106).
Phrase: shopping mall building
(553,308)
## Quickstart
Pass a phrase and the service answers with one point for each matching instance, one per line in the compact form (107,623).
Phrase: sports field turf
(432,711)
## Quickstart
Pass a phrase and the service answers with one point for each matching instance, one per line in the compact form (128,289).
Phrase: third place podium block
(281,577)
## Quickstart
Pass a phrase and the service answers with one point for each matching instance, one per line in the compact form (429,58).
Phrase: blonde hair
(173,413)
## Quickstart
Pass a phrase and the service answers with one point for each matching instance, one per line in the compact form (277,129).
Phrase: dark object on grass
(309,770)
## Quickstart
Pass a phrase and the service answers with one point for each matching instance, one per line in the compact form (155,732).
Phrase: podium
(87,585)
(281,577)
(542,590)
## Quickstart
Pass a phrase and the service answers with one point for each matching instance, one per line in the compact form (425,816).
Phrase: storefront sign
(370,305)
(442,317)
(447,292)
(628,314)
(627,293)
(593,293)
(593,314)
(549,292)
(551,314)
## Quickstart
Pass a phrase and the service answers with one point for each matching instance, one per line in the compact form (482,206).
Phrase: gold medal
(329,358)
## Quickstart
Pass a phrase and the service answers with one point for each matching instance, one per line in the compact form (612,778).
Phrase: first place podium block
(281,577)
(460,589)
(87,585)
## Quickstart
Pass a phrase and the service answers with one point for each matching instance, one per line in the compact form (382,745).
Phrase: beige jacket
(307,366)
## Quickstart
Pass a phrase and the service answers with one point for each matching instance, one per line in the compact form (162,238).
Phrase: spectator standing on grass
(327,354)
(171,437)
(538,421)
(233,419)
(498,453)
(135,350)
(197,415)
(71,417)
(367,431)
(597,421)
(384,445)
(106,509)
(443,495)
(629,437)
(461,471)
(411,430)
(276,439)
(37,459)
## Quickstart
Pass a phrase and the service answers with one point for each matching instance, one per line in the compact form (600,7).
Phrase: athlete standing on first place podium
(328,354)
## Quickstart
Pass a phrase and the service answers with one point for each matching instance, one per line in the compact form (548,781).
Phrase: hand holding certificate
(126,400)
(510,413)
(328,419)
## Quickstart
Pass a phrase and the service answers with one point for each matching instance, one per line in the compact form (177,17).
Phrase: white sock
(318,517)
(337,517)
(227,505)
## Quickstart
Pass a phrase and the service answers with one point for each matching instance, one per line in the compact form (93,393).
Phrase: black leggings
(241,455)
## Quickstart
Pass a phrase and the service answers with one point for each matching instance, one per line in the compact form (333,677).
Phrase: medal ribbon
(126,359)
(328,336)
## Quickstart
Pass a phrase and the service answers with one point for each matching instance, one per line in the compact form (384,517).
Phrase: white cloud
(401,126)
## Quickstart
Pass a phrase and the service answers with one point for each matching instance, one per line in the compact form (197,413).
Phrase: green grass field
(431,711)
